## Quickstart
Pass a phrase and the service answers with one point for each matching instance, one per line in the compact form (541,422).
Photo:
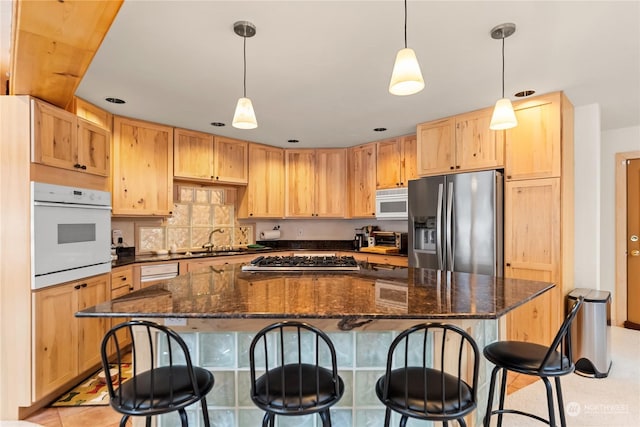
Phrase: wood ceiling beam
(54,42)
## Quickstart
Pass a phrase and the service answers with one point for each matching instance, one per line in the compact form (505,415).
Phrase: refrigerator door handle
(449,229)
(439,252)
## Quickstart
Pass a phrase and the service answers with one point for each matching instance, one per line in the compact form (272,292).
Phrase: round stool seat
(527,358)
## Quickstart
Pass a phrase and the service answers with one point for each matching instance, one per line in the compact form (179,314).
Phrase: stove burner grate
(302,263)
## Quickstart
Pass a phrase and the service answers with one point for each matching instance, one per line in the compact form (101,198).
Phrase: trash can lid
(590,295)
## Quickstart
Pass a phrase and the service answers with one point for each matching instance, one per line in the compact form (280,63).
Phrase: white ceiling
(318,71)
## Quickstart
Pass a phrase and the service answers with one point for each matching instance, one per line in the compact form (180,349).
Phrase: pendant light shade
(503,115)
(406,78)
(244,117)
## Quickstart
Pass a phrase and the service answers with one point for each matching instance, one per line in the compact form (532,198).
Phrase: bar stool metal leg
(503,392)
(563,420)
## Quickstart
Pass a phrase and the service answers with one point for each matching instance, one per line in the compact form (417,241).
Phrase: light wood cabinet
(264,195)
(66,346)
(460,143)
(142,181)
(121,284)
(533,148)
(316,183)
(65,141)
(362,180)
(93,114)
(396,162)
(201,156)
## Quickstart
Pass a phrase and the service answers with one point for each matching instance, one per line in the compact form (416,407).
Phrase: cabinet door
(436,147)
(94,148)
(231,161)
(477,146)
(409,166)
(264,196)
(533,147)
(142,168)
(388,161)
(55,136)
(192,155)
(362,169)
(55,339)
(91,331)
(300,173)
(532,251)
(331,183)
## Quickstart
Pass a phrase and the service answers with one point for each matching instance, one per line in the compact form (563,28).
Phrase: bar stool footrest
(515,411)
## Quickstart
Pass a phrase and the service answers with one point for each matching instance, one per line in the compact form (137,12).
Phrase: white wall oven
(70,233)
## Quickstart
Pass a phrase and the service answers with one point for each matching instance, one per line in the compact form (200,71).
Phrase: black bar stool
(159,389)
(533,359)
(295,382)
(435,376)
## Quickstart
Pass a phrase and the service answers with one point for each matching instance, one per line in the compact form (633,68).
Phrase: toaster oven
(393,239)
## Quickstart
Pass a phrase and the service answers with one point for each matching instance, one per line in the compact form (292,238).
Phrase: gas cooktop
(302,263)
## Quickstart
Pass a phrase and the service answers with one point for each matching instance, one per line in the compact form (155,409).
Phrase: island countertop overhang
(374,292)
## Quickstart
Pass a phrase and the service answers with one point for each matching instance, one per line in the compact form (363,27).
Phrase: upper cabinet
(316,183)
(62,140)
(533,147)
(396,162)
(362,180)
(142,180)
(201,156)
(459,143)
(264,195)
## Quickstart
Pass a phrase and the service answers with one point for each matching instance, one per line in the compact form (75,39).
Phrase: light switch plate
(175,321)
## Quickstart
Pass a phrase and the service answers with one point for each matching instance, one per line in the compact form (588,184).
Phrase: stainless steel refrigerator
(455,222)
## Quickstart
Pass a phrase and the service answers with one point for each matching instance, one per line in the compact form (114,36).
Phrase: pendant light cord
(503,65)
(405,24)
(244,61)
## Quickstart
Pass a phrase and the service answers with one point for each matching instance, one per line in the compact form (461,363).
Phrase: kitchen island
(217,311)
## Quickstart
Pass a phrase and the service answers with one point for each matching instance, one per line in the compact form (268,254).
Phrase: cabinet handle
(451,167)
(76,287)
(217,178)
(84,285)
(77,166)
(123,278)
(83,167)
(508,176)
(457,166)
(508,264)
(250,214)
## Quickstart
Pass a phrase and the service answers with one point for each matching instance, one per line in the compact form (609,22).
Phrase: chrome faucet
(209,244)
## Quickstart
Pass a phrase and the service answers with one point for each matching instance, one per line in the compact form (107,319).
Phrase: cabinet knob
(217,178)
(250,214)
(508,176)
(77,166)
(451,167)
(83,167)
(457,166)
(508,264)
(123,278)
(76,287)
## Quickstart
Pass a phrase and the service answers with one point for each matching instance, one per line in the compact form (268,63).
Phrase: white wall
(613,141)
(318,229)
(587,196)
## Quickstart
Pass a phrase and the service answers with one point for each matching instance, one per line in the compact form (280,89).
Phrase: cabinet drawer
(118,292)
(121,278)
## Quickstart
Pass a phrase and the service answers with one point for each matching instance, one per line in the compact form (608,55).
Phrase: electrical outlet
(115,235)
(300,232)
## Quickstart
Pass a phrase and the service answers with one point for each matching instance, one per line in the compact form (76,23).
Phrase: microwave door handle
(439,252)
(450,249)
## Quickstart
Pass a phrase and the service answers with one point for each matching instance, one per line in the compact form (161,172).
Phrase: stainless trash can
(590,332)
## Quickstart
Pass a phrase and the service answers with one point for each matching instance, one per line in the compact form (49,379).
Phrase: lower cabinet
(65,346)
(121,284)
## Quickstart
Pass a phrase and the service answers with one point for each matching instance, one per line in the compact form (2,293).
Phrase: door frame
(620,314)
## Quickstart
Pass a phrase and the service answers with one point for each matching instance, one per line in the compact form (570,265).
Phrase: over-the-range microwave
(392,204)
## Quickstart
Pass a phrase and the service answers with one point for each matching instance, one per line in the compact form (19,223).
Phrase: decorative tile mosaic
(152,238)
(217,197)
(181,214)
(186,194)
(202,195)
(201,215)
(181,236)
(223,215)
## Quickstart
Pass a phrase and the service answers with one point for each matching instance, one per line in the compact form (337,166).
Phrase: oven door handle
(71,205)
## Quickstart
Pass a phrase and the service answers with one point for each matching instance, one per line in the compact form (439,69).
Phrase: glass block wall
(361,361)
(198,211)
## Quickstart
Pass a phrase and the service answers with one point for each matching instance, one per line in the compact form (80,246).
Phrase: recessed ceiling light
(524,93)
(293,141)
(217,124)
(115,100)
(380,129)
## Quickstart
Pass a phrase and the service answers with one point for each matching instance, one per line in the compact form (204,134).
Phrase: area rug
(93,391)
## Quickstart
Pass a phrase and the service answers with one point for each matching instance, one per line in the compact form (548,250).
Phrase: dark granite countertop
(374,292)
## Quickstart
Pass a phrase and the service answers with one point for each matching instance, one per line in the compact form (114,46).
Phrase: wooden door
(633,243)
(91,330)
(264,196)
(532,148)
(409,167)
(55,339)
(362,168)
(532,251)
(192,155)
(436,147)
(388,162)
(231,161)
(300,178)
(331,183)
(142,168)
(477,146)
(55,136)
(94,148)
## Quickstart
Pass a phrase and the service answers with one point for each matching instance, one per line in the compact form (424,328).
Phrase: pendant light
(503,115)
(406,78)
(244,117)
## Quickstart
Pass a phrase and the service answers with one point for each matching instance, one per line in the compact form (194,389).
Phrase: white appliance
(70,234)
(392,204)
